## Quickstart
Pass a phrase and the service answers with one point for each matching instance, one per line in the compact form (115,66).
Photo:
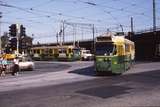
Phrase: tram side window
(115,50)
(50,51)
(34,51)
(70,50)
(132,48)
(120,50)
(42,51)
(38,51)
(127,48)
(56,51)
(45,51)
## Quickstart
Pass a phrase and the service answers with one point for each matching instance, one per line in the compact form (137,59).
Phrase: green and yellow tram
(113,54)
(43,52)
(67,53)
(63,53)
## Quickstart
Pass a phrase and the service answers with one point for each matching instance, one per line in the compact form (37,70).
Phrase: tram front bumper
(103,65)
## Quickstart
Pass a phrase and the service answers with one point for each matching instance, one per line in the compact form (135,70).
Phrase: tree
(25,44)
(4,39)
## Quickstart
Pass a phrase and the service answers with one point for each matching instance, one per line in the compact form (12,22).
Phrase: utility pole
(63,31)
(18,36)
(74,35)
(93,31)
(132,25)
(121,28)
(60,36)
(0,34)
(157,50)
(57,38)
(154,17)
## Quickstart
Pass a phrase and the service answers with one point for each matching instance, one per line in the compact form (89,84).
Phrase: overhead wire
(48,16)
(53,14)
(113,8)
(109,13)
(116,9)
(32,11)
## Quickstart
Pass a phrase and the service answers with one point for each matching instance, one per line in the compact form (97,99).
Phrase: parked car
(86,55)
(26,63)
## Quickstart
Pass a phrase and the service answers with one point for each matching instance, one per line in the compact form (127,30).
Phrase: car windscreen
(103,48)
(24,59)
(86,52)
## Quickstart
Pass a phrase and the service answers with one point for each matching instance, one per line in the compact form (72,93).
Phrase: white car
(86,55)
(26,63)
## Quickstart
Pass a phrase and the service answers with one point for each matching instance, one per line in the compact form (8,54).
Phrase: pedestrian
(3,66)
(15,66)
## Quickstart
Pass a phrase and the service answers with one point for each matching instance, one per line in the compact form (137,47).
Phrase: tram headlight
(99,59)
(115,62)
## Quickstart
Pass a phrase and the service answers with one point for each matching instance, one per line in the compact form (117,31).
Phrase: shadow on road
(124,84)
(106,91)
(89,71)
(109,87)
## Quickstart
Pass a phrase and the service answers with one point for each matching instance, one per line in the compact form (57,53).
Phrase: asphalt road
(42,67)
(77,86)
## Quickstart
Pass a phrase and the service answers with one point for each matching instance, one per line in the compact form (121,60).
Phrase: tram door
(62,53)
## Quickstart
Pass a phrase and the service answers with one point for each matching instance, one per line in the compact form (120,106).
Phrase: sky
(43,18)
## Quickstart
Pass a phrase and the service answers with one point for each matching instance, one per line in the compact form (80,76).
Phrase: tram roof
(121,39)
(115,39)
(54,47)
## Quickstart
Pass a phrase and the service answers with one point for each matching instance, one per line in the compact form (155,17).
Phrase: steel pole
(132,25)
(63,31)
(93,31)
(17,35)
(154,16)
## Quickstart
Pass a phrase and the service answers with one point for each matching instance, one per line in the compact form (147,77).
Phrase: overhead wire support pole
(57,39)
(121,28)
(154,31)
(132,25)
(63,32)
(93,31)
(154,16)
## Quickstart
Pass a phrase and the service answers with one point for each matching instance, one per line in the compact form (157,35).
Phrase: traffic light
(13,43)
(13,30)
(22,31)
